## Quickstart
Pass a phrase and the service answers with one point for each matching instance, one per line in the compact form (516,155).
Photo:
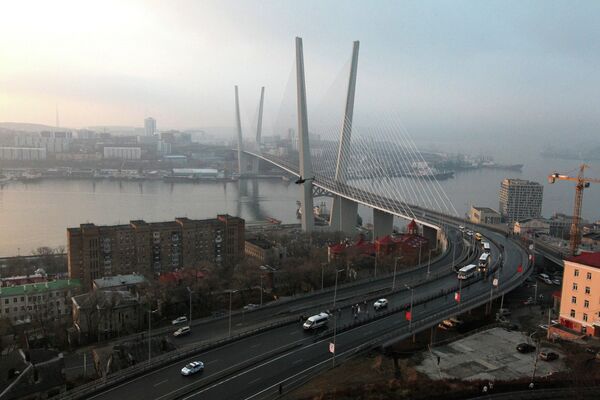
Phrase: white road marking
(254,381)
(160,383)
(297,361)
(255,346)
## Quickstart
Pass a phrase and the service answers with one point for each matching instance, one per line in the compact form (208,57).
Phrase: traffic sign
(495,282)
(332,348)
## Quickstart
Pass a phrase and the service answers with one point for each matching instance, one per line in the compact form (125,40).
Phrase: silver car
(192,368)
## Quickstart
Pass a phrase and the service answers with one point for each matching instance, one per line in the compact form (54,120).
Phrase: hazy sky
(455,66)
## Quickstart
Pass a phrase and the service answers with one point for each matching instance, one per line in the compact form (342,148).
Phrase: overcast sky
(459,66)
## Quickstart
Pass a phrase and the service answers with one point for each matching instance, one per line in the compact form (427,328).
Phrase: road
(217,328)
(254,367)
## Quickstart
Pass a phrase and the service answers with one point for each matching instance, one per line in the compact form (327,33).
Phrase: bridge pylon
(308,219)
(343,211)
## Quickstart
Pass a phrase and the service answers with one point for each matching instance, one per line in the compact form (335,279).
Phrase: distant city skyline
(451,67)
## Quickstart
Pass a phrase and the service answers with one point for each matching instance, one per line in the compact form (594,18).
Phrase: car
(179,320)
(543,326)
(557,281)
(182,331)
(461,228)
(250,306)
(469,233)
(548,355)
(525,348)
(547,281)
(543,276)
(192,368)
(379,304)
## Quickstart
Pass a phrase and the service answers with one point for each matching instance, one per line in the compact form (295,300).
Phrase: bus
(486,247)
(478,236)
(467,272)
(484,261)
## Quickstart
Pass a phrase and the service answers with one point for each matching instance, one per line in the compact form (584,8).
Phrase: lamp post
(190,293)
(322,275)
(428,264)
(395,266)
(335,314)
(412,292)
(335,289)
(150,312)
(261,290)
(231,292)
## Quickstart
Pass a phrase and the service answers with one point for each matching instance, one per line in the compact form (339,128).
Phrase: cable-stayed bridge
(381,169)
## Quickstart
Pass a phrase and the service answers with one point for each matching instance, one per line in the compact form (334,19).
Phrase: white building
(53,142)
(123,153)
(23,153)
(150,126)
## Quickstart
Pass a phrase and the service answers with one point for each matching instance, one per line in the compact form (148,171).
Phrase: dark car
(525,348)
(548,356)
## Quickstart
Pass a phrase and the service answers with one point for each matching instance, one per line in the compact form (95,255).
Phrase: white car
(182,331)
(192,368)
(250,306)
(379,304)
(179,320)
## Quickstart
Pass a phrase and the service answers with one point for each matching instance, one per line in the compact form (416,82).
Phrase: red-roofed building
(579,306)
(179,276)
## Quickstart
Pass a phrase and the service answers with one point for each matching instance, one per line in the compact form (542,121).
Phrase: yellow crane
(582,183)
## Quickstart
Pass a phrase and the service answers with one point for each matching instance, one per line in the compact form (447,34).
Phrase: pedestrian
(358,310)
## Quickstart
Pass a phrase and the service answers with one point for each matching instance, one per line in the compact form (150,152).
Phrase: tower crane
(582,183)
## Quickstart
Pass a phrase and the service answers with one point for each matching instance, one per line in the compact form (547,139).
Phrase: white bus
(484,261)
(467,272)
(486,247)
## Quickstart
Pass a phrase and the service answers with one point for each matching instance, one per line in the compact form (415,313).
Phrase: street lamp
(231,292)
(190,293)
(261,290)
(412,291)
(428,263)
(322,275)
(395,266)
(335,289)
(150,312)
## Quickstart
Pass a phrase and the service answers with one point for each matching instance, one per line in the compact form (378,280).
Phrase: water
(37,214)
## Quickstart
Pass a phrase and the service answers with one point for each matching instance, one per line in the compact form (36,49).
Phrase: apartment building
(152,248)
(520,199)
(39,302)
(580,296)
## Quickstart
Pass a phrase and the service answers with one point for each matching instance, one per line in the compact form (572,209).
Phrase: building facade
(22,153)
(484,215)
(38,302)
(123,153)
(530,226)
(580,304)
(520,199)
(152,248)
(53,142)
(149,126)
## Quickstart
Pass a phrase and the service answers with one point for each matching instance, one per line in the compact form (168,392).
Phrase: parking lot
(488,355)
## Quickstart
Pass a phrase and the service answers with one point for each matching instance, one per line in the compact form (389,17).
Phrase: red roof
(385,240)
(590,259)
(412,225)
(337,248)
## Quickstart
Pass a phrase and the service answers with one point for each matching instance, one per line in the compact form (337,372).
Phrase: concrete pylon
(383,224)
(343,211)
(308,220)
(255,160)
(240,148)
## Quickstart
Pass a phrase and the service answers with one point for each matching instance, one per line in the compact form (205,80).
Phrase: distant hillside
(25,127)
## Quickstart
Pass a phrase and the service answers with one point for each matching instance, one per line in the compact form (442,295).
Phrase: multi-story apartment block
(580,295)
(38,302)
(520,199)
(152,248)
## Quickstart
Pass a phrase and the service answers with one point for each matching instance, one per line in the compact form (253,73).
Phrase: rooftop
(118,280)
(486,209)
(589,259)
(40,287)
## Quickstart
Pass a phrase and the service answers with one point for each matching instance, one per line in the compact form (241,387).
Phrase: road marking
(254,381)
(255,346)
(294,333)
(297,361)
(160,383)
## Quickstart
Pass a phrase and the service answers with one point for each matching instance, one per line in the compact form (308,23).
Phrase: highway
(255,366)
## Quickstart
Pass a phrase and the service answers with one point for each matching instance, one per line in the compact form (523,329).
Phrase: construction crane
(582,183)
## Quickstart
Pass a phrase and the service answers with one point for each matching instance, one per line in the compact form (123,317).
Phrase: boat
(30,177)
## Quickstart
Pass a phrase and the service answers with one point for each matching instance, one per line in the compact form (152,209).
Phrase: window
(22,298)
(5,301)
(586,304)
(572,313)
(574,300)
(576,272)
(14,299)
(6,310)
(574,286)
(589,275)
(587,290)
(585,317)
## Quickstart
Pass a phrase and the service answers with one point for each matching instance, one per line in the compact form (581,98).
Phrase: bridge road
(264,378)
(167,382)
